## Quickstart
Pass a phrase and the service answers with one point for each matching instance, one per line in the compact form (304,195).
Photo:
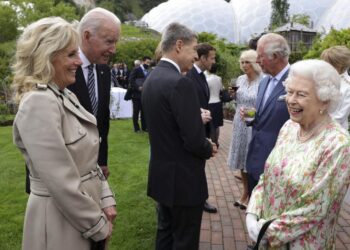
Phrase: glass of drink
(249,114)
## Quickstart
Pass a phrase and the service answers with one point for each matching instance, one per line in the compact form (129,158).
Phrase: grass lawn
(128,163)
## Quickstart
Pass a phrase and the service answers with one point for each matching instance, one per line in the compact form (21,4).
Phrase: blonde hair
(250,56)
(338,56)
(36,48)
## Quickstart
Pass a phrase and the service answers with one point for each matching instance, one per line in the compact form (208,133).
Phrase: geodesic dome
(337,16)
(214,16)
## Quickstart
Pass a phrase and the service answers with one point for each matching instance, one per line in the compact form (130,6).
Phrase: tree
(334,37)
(303,19)
(279,15)
(8,23)
(33,10)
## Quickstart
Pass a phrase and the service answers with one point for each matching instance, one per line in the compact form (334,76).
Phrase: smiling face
(65,63)
(187,54)
(101,45)
(303,104)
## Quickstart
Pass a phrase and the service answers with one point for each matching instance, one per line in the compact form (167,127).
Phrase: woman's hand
(110,212)
(253,226)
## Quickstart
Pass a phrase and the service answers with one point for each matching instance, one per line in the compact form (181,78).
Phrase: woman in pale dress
(215,104)
(307,173)
(241,134)
(339,58)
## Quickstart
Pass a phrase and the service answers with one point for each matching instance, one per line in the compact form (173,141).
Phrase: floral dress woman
(241,134)
(303,186)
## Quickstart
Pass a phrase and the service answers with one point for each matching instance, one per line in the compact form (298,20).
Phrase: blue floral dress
(303,186)
(241,134)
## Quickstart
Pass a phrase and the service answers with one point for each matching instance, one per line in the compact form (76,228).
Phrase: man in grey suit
(271,110)
(179,148)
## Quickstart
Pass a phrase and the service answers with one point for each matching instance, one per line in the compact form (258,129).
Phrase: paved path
(226,229)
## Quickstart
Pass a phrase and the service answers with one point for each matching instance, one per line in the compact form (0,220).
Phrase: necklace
(312,132)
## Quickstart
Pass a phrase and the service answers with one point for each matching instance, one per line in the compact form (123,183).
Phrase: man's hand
(206,116)
(105,171)
(215,148)
(110,212)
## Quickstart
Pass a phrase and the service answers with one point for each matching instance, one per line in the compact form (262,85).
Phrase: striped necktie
(91,88)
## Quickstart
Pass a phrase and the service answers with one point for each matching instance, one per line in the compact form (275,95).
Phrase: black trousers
(137,109)
(251,184)
(178,227)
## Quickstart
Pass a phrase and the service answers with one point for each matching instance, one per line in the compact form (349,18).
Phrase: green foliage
(136,221)
(334,37)
(8,23)
(303,19)
(129,51)
(7,51)
(227,56)
(279,15)
(33,10)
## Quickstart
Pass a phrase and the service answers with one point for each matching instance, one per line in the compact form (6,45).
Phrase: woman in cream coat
(70,206)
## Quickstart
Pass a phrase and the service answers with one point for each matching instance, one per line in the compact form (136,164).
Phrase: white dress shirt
(342,111)
(85,69)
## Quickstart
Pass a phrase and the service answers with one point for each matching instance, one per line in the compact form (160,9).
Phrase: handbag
(225,96)
(261,235)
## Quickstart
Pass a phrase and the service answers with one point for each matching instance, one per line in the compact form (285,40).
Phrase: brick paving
(226,229)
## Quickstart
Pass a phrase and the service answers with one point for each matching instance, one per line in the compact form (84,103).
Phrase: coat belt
(38,187)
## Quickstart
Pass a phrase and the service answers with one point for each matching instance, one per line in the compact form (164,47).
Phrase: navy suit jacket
(203,93)
(268,121)
(79,88)
(178,146)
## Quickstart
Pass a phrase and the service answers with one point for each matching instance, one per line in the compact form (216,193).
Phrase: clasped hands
(111,214)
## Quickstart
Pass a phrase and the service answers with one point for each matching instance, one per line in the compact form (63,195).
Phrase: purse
(225,96)
(260,236)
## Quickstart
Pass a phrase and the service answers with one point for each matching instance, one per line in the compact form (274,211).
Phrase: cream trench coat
(59,141)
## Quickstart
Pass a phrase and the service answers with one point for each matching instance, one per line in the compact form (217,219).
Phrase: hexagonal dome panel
(214,16)
(337,16)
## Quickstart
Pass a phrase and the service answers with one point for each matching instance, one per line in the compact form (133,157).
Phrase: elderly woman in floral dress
(307,173)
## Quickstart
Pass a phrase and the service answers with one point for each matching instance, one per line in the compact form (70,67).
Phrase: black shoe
(137,131)
(145,130)
(237,204)
(209,208)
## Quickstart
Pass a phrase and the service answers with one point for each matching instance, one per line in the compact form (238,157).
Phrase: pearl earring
(321,112)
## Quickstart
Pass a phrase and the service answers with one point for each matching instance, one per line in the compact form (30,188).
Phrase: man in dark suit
(273,52)
(137,77)
(204,61)
(179,147)
(100,31)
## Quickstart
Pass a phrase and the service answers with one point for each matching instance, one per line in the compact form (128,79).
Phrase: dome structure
(214,16)
(337,17)
(253,17)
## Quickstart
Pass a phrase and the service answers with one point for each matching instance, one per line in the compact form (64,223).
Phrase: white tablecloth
(119,108)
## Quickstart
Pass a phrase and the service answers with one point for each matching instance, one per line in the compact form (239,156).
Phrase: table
(119,108)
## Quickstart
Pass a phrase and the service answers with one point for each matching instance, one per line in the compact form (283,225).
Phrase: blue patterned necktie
(91,88)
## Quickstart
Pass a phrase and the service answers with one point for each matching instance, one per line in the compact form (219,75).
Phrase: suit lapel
(100,75)
(203,84)
(277,91)
(83,90)
(260,97)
